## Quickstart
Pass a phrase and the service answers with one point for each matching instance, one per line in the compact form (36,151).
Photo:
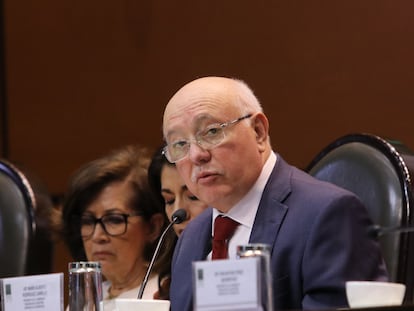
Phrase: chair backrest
(17,224)
(379,172)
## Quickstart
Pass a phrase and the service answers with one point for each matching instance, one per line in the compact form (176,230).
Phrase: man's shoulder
(288,179)
(298,178)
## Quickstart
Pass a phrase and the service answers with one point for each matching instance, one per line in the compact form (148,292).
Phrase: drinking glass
(85,286)
(263,252)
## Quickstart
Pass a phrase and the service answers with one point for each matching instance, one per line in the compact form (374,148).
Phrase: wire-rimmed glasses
(207,138)
(112,224)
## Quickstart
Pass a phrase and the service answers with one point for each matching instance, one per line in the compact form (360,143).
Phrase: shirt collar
(244,212)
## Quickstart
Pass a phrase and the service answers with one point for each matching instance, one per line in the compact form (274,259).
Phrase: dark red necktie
(224,228)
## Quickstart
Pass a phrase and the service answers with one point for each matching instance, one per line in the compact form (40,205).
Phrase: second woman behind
(165,180)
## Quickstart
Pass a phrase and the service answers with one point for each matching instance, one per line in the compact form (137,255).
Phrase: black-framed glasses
(207,138)
(112,224)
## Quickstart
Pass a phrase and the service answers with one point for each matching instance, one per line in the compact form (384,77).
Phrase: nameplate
(227,285)
(43,292)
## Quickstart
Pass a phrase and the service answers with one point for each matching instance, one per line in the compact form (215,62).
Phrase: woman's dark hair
(158,161)
(128,163)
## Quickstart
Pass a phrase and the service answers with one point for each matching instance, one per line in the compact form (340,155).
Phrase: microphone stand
(178,217)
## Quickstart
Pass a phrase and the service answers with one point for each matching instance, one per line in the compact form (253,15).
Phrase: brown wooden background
(83,77)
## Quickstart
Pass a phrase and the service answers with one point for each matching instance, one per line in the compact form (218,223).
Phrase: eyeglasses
(207,138)
(113,224)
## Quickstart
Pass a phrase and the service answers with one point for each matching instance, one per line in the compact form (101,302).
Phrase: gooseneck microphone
(178,217)
(375,231)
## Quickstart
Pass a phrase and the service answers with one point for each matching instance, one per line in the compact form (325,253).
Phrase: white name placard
(43,292)
(227,285)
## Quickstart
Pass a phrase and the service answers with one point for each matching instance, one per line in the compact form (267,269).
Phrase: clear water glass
(85,286)
(262,251)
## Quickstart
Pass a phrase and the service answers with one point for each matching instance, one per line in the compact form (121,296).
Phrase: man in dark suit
(217,134)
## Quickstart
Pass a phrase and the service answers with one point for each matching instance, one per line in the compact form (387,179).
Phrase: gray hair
(247,101)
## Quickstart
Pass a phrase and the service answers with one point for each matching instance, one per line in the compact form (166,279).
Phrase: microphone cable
(178,217)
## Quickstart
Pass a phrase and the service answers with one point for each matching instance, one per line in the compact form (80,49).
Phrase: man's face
(223,174)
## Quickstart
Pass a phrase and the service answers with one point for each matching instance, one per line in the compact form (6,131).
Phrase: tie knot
(224,228)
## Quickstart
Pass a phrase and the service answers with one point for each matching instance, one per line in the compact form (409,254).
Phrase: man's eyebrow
(197,122)
(203,117)
(204,120)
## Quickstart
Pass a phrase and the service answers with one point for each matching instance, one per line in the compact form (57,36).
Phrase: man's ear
(260,125)
(156,223)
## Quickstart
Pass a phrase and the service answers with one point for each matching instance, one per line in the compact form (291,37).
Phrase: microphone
(375,231)
(178,217)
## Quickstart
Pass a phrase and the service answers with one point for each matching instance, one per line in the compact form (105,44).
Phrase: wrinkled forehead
(197,103)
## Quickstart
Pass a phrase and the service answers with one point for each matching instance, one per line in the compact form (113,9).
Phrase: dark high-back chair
(17,224)
(25,242)
(380,173)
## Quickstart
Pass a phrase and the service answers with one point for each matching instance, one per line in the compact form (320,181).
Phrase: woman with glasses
(110,215)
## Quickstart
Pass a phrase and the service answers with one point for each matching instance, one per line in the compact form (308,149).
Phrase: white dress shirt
(244,212)
(150,289)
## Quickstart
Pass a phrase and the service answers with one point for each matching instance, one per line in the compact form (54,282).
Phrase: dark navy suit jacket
(318,238)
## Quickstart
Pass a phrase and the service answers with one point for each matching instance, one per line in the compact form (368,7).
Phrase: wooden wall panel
(85,77)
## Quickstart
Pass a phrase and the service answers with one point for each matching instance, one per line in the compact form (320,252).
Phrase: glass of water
(263,252)
(85,286)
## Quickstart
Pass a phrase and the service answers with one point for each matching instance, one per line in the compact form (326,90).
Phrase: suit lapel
(272,210)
